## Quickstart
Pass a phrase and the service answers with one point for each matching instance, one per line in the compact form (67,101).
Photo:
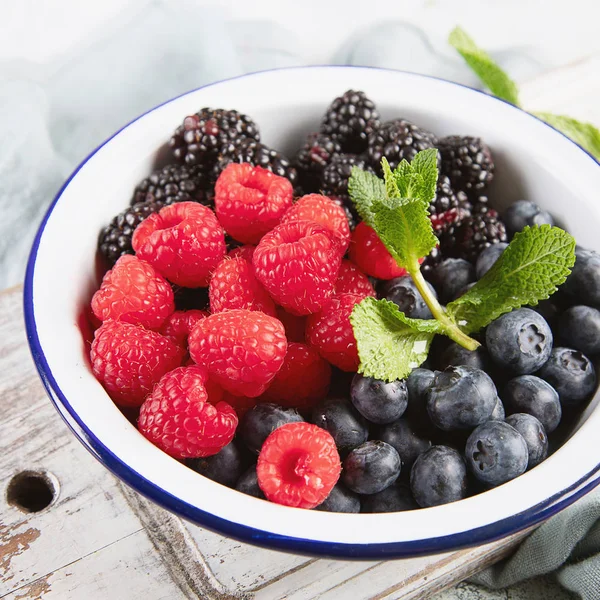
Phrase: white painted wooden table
(99,539)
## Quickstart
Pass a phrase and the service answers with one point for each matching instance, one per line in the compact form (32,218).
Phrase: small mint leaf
(390,345)
(584,134)
(391,187)
(403,225)
(491,75)
(425,165)
(402,175)
(535,263)
(364,188)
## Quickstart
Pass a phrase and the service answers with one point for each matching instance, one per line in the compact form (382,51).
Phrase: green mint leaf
(584,134)
(390,345)
(535,263)
(490,74)
(392,189)
(364,188)
(402,174)
(403,225)
(425,165)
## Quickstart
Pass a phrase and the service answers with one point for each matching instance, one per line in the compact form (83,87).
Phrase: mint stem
(437,310)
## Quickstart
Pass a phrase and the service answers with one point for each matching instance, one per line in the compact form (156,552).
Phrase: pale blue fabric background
(51,118)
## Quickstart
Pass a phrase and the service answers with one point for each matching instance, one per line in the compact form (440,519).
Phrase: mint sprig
(490,73)
(389,343)
(535,263)
(502,86)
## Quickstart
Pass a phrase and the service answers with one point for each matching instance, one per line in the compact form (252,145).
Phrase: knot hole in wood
(32,491)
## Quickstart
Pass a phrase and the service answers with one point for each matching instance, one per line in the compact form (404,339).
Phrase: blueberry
(571,374)
(438,476)
(395,498)
(248,484)
(379,401)
(534,435)
(450,276)
(225,467)
(498,414)
(583,284)
(520,341)
(496,453)
(262,420)
(532,395)
(371,468)
(579,328)
(463,290)
(456,355)
(345,424)
(461,398)
(403,292)
(340,500)
(406,439)
(488,257)
(523,213)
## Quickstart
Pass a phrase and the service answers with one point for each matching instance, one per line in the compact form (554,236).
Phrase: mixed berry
(224,319)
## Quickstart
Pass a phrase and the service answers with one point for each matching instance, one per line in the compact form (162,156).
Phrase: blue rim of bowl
(480,535)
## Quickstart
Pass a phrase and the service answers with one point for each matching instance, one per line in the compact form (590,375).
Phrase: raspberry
(351,280)
(368,252)
(331,333)
(298,263)
(324,211)
(246,252)
(128,360)
(303,379)
(294,326)
(180,419)
(180,323)
(241,349)
(133,292)
(250,201)
(184,242)
(298,465)
(233,285)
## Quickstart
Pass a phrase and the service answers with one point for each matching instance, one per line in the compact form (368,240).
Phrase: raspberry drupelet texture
(298,264)
(325,212)
(180,323)
(242,350)
(298,465)
(331,333)
(250,201)
(371,256)
(201,136)
(114,240)
(303,379)
(185,420)
(174,183)
(351,280)
(234,285)
(133,292)
(258,155)
(350,119)
(128,360)
(184,242)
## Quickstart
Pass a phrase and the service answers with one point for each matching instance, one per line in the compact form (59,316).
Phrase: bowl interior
(533,162)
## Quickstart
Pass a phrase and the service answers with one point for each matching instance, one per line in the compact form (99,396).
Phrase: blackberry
(346,204)
(337,173)
(313,157)
(174,183)
(467,161)
(446,199)
(115,239)
(201,136)
(351,119)
(397,140)
(467,238)
(259,155)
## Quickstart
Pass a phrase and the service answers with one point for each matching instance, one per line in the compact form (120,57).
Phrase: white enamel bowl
(533,161)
